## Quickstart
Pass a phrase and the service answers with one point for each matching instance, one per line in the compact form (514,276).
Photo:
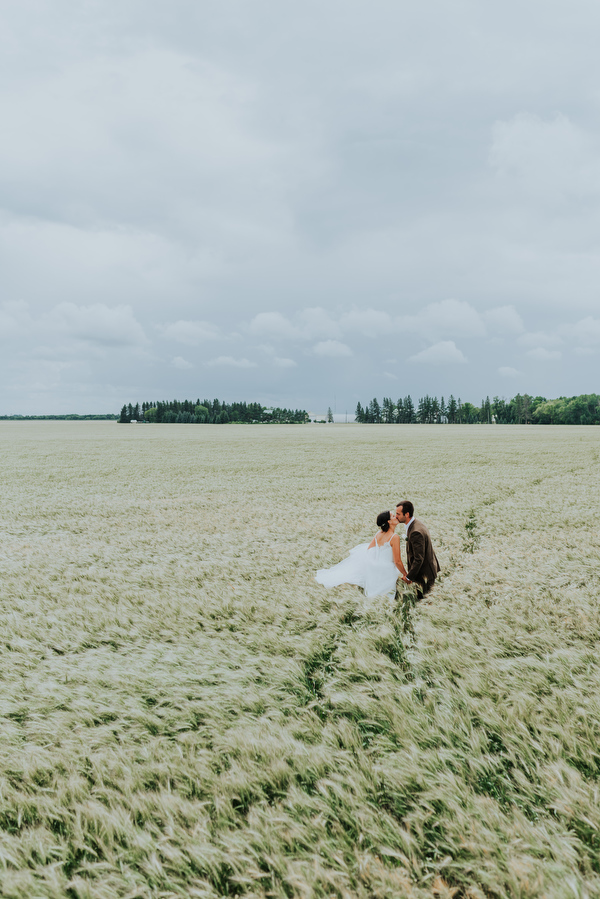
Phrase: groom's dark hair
(406,506)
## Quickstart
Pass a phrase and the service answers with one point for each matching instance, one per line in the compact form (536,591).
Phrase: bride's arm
(395,544)
(371,544)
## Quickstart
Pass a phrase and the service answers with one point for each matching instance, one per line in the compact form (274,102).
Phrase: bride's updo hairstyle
(383,521)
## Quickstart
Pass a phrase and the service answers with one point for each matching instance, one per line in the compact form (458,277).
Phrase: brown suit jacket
(423,565)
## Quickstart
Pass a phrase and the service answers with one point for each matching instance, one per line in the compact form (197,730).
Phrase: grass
(185,712)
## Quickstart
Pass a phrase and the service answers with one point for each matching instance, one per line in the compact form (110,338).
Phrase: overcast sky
(305,204)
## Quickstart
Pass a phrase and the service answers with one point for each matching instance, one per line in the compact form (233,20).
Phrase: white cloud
(504,320)
(443,353)
(367,322)
(160,167)
(181,363)
(332,348)
(550,159)
(231,362)
(191,332)
(308,324)
(315,322)
(539,339)
(273,324)
(14,320)
(587,331)
(507,372)
(541,354)
(98,323)
(284,363)
(448,318)
(444,319)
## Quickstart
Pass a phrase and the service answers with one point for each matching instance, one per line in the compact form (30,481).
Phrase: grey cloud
(231,362)
(542,354)
(368,322)
(96,324)
(539,339)
(190,332)
(586,331)
(552,159)
(443,353)
(273,324)
(328,181)
(14,320)
(504,320)
(448,318)
(334,349)
(283,362)
(306,324)
(181,363)
(318,322)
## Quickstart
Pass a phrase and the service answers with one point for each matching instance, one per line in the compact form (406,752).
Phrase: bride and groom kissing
(376,566)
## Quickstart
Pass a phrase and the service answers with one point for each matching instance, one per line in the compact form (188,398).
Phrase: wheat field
(186,713)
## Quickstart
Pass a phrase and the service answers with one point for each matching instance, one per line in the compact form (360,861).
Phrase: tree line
(70,417)
(209,412)
(521,409)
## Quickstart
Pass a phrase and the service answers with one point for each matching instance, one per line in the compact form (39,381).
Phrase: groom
(423,565)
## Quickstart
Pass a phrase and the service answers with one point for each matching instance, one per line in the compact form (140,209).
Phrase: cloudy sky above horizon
(306,205)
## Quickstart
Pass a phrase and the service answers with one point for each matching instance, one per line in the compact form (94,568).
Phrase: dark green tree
(410,416)
(452,410)
(388,411)
(375,411)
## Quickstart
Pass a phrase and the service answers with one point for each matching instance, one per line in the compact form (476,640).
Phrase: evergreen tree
(486,411)
(517,404)
(329,415)
(427,409)
(359,414)
(374,411)
(388,410)
(452,410)
(124,418)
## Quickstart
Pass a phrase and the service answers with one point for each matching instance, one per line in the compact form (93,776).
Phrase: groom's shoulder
(419,526)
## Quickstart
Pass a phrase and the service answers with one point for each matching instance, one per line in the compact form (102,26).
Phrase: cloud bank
(185,214)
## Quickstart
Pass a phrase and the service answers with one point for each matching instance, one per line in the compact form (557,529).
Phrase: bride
(373,566)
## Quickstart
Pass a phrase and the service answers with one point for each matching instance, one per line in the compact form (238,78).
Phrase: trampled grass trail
(186,713)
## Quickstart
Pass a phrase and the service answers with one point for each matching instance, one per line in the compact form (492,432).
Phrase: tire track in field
(471,525)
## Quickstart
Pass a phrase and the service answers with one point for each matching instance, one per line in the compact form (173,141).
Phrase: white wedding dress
(372,569)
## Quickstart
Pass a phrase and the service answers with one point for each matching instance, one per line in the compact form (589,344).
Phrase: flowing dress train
(372,569)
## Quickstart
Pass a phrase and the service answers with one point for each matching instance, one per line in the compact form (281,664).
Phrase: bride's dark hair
(383,521)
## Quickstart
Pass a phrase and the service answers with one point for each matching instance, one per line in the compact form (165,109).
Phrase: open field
(185,712)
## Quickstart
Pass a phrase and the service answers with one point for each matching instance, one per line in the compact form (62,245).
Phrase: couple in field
(376,566)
